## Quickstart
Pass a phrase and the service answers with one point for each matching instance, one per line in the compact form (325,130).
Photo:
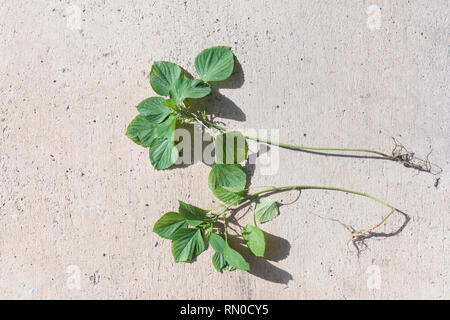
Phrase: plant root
(358,236)
(409,160)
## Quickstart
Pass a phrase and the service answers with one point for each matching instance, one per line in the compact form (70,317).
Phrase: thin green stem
(217,215)
(225,227)
(299,187)
(290,146)
(211,124)
(356,234)
(208,124)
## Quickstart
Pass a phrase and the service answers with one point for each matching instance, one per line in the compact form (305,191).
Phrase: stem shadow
(399,154)
(250,164)
(361,245)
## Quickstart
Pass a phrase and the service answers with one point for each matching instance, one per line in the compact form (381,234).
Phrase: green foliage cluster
(188,227)
(158,117)
(191,227)
(154,128)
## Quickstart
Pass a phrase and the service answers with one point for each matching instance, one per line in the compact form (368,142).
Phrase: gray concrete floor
(78,199)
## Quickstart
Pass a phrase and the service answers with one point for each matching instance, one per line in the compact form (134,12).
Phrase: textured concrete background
(78,198)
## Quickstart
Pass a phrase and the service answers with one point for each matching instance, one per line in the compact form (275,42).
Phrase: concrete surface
(78,199)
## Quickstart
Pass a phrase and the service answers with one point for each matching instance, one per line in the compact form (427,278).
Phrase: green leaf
(229,268)
(135,126)
(153,109)
(228,196)
(227,182)
(219,246)
(166,128)
(188,88)
(192,214)
(187,244)
(217,242)
(266,209)
(218,261)
(169,103)
(168,224)
(215,64)
(254,238)
(234,259)
(163,75)
(231,176)
(231,147)
(163,153)
(141,131)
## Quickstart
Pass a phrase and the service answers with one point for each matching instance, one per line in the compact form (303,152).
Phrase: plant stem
(210,124)
(226,229)
(217,215)
(357,235)
(299,187)
(291,146)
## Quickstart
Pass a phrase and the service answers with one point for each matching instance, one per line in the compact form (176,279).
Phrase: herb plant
(154,128)
(189,227)
(159,116)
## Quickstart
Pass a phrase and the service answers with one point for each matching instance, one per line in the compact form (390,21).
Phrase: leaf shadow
(218,105)
(250,164)
(236,80)
(223,107)
(277,249)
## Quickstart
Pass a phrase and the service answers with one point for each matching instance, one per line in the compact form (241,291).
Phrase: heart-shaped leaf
(187,244)
(141,131)
(254,238)
(228,196)
(231,176)
(163,153)
(166,128)
(235,259)
(266,209)
(185,87)
(153,109)
(192,214)
(215,64)
(163,75)
(217,242)
(218,261)
(168,224)
(227,182)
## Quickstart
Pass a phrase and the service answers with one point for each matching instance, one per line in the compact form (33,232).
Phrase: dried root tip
(356,235)
(363,234)
(409,160)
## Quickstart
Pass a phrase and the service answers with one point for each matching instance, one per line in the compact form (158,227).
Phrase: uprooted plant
(188,227)
(158,117)
(154,128)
